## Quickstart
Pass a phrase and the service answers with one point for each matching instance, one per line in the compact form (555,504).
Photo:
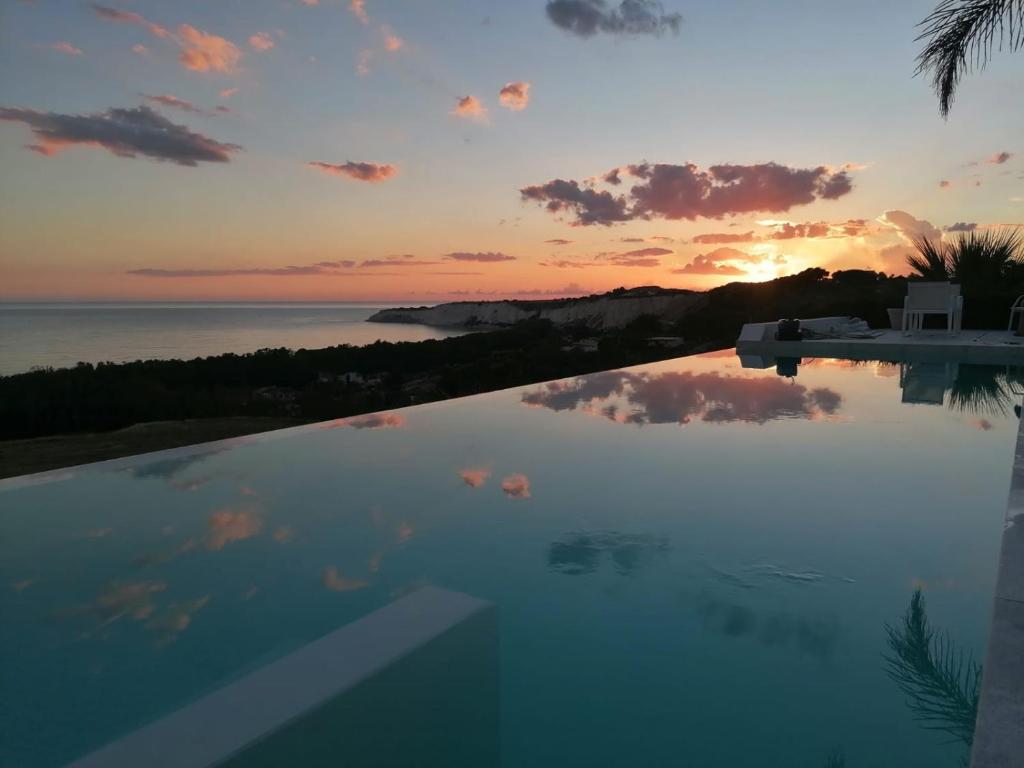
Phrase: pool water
(694,563)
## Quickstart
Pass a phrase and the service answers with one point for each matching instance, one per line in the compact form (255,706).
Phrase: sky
(420,150)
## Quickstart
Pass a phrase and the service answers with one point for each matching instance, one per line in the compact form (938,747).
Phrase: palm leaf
(930,261)
(987,258)
(940,681)
(961,36)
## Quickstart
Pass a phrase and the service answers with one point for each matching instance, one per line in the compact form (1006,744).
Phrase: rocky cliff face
(605,311)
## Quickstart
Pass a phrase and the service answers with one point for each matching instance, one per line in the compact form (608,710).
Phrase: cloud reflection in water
(679,397)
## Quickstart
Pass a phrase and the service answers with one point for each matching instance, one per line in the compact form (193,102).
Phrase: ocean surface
(61,335)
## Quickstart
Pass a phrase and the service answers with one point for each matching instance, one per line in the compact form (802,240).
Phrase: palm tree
(961,36)
(989,257)
(930,261)
(977,259)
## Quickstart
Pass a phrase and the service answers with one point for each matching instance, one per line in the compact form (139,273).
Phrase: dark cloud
(345,267)
(649,252)
(405,260)
(687,192)
(483,256)
(589,206)
(362,171)
(999,158)
(712,238)
(962,226)
(559,241)
(631,240)
(311,269)
(702,266)
(167,100)
(587,18)
(122,132)
(714,263)
(788,231)
(680,397)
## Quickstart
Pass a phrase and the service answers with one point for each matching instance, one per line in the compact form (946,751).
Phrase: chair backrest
(927,295)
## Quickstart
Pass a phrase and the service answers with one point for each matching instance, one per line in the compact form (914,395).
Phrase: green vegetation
(977,260)
(989,265)
(308,385)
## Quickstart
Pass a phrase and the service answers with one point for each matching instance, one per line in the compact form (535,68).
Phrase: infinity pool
(694,564)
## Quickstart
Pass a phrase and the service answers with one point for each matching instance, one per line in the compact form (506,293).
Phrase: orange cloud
(335,582)
(134,599)
(516,486)
(470,107)
(227,525)
(63,47)
(515,96)
(203,52)
(227,93)
(392,42)
(261,41)
(140,49)
(475,478)
(945,184)
(999,158)
(362,171)
(358,9)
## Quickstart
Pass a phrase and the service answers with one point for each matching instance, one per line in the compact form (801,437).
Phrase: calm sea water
(693,563)
(60,335)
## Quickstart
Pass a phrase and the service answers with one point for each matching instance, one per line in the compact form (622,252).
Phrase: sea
(59,335)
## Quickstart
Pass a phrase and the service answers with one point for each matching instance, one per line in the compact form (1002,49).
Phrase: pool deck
(999,732)
(967,346)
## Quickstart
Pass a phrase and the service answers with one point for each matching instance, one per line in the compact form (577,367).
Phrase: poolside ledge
(414,683)
(757,340)
(999,731)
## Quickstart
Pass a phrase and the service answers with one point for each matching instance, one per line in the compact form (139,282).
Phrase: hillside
(600,312)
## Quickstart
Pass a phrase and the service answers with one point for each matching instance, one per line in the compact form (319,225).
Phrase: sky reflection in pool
(693,563)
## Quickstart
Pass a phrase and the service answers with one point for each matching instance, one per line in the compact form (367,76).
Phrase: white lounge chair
(1016,309)
(927,298)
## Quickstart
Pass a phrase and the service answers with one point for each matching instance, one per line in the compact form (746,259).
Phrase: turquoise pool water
(693,563)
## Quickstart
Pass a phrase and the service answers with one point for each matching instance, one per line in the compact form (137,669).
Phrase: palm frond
(982,390)
(940,681)
(961,37)
(986,257)
(931,261)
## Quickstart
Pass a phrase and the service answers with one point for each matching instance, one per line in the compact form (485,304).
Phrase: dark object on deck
(789,330)
(788,366)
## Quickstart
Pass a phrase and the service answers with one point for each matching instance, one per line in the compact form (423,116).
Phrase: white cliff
(604,311)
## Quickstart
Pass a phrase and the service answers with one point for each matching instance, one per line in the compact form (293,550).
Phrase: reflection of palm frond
(940,681)
(981,390)
(836,760)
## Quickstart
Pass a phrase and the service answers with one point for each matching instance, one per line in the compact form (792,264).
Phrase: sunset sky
(419,150)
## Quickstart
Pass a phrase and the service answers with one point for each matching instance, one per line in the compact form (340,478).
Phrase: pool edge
(999,729)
